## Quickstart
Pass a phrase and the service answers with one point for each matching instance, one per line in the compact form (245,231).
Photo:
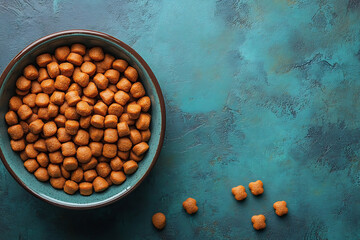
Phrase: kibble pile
(79,119)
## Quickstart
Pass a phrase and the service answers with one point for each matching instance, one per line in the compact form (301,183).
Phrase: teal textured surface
(263,90)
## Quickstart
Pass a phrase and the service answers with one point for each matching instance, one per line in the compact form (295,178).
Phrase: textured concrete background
(254,90)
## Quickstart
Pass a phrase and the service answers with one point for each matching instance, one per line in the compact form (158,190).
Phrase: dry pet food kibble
(256,188)
(280,208)
(258,222)
(239,192)
(80,119)
(190,206)
(159,220)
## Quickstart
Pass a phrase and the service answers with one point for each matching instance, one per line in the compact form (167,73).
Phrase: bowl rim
(158,91)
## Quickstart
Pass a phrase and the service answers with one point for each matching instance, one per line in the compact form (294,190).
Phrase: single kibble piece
(78,48)
(30,137)
(40,145)
(143,121)
(86,188)
(96,148)
(43,113)
(56,157)
(66,69)
(64,173)
(68,149)
(30,100)
(25,126)
(112,75)
(123,155)
(103,169)
(145,135)
(109,150)
(24,112)
(72,98)
(75,87)
(258,222)
(120,65)
(110,135)
(17,145)
(83,108)
(81,78)
(121,97)
(43,59)
(16,132)
(256,188)
(71,187)
(49,129)
(90,165)
(41,174)
(30,72)
(11,118)
(123,129)
(54,170)
(133,110)
(52,144)
(110,121)
(117,177)
(71,127)
(90,90)
(100,184)
(75,59)
(96,54)
(145,103)
(62,135)
(124,84)
(35,87)
(48,86)
(100,108)
(23,84)
(115,109)
(57,183)
(116,164)
(101,81)
(137,90)
(83,154)
(96,134)
(280,208)
(57,98)
(15,103)
(124,144)
(62,83)
(30,151)
(42,159)
(97,121)
(105,64)
(130,167)
(159,220)
(88,68)
(70,113)
(135,136)
(90,175)
(70,163)
(190,206)
(53,110)
(239,192)
(77,175)
(82,138)
(107,96)
(53,69)
(140,148)
(43,74)
(131,74)
(61,53)
(31,165)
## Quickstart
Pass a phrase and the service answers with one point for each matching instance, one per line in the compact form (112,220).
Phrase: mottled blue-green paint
(254,90)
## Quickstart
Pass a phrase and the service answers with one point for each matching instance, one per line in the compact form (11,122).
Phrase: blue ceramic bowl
(14,164)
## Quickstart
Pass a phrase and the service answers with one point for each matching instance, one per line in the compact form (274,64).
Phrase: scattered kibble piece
(258,222)
(239,192)
(159,220)
(190,206)
(280,208)
(256,188)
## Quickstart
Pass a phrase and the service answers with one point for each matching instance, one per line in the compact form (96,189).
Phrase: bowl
(118,49)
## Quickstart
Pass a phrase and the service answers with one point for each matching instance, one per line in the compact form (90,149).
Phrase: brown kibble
(31,165)
(35,87)
(120,65)
(81,78)
(110,135)
(101,81)
(70,163)
(82,138)
(97,121)
(280,208)
(121,97)
(75,87)
(75,59)
(103,169)
(68,149)
(60,121)
(135,157)
(54,170)
(71,114)
(159,220)
(100,184)
(78,48)
(30,72)
(130,167)
(31,151)
(143,121)
(57,183)
(77,175)
(49,129)
(113,88)
(43,113)
(90,165)
(109,150)
(88,68)
(24,112)
(15,103)
(96,134)
(124,84)
(23,84)
(190,206)
(25,126)
(16,132)
(40,145)
(86,188)
(124,144)
(83,108)
(30,137)
(43,59)
(53,110)
(61,53)
(11,118)
(115,109)
(116,164)
(41,174)
(256,188)
(30,100)
(131,74)
(258,222)
(96,54)
(71,187)
(83,154)
(133,110)
(66,69)
(63,107)
(62,83)
(117,177)
(135,136)
(17,145)
(52,144)
(48,86)
(145,135)
(105,64)
(62,135)
(56,157)
(65,173)
(100,108)
(21,93)
(53,69)
(112,75)
(72,98)
(90,175)
(125,118)
(85,122)
(145,103)
(42,159)
(123,155)
(32,118)
(140,148)
(71,127)
(137,90)
(107,96)
(96,148)
(90,90)
(239,192)
(57,97)
(90,101)
(43,74)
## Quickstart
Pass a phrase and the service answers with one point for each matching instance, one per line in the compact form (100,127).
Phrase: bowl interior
(45,190)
